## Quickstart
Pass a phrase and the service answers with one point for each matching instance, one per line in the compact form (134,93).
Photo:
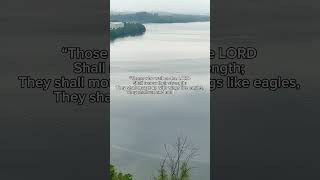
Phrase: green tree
(118,175)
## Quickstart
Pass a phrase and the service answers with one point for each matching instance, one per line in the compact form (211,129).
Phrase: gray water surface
(140,125)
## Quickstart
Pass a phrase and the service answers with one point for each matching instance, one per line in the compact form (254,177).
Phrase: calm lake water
(141,125)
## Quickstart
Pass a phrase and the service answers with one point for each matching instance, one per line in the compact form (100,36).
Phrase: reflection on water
(140,125)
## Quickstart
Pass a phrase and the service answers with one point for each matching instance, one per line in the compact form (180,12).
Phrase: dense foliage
(118,175)
(145,17)
(129,29)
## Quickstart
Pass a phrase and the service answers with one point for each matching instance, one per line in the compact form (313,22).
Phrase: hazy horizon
(172,6)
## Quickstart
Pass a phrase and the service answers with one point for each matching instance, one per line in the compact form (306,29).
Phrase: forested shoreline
(146,17)
(133,22)
(128,29)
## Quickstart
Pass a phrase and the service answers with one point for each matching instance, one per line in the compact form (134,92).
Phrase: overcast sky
(177,6)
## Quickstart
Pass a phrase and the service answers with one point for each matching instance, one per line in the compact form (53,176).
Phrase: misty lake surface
(142,124)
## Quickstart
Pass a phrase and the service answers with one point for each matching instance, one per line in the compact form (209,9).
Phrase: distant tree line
(129,29)
(145,17)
